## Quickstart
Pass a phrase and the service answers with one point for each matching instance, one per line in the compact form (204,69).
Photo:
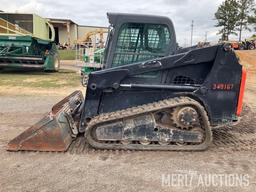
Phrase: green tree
(244,8)
(252,19)
(227,17)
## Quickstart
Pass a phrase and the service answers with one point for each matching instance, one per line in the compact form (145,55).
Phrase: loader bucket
(55,131)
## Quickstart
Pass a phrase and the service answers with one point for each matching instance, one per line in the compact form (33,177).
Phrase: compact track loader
(149,96)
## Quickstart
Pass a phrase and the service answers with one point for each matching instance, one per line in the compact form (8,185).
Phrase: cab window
(140,42)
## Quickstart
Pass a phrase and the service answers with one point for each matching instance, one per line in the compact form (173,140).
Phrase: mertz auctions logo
(193,179)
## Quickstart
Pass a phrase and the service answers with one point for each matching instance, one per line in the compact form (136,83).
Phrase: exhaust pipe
(55,131)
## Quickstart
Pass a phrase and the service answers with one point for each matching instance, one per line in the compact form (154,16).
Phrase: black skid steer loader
(149,96)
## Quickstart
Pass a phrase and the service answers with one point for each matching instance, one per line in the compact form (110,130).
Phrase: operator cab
(136,38)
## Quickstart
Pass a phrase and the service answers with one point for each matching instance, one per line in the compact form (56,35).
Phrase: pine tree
(227,17)
(245,8)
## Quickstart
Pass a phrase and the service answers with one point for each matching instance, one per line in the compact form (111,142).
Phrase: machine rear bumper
(55,131)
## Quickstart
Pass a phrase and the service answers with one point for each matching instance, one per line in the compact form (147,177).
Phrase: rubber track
(149,108)
(239,137)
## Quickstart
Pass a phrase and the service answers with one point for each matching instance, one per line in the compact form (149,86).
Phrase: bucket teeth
(54,132)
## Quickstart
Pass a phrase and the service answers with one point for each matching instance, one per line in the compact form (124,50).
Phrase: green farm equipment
(27,41)
(93,62)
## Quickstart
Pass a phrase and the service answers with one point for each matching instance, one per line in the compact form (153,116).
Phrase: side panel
(124,99)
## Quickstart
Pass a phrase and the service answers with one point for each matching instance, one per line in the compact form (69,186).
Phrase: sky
(93,12)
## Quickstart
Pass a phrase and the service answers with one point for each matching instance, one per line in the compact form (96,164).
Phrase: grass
(39,79)
(67,54)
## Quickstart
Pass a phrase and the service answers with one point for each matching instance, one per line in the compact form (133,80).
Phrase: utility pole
(192,28)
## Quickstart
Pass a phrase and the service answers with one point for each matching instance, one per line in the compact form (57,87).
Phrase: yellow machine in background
(89,39)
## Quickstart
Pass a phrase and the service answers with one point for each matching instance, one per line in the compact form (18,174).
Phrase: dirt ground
(232,153)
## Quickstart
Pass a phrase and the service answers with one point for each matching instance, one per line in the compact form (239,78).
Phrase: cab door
(140,42)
